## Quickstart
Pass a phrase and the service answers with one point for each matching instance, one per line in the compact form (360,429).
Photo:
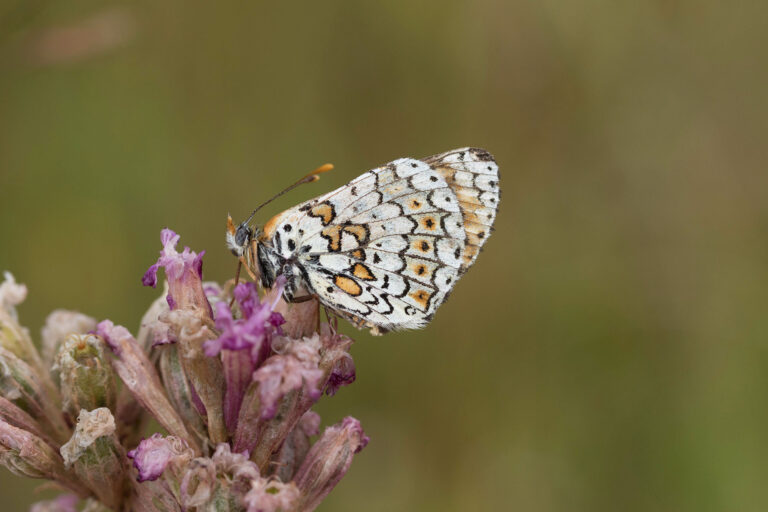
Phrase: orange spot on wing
(324,211)
(421,269)
(348,285)
(421,297)
(362,272)
(422,245)
(358,254)
(358,232)
(429,223)
(333,234)
(470,251)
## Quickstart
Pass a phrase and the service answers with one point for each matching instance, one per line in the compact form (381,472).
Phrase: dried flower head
(233,390)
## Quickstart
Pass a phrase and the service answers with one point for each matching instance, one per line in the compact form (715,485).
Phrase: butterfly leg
(333,320)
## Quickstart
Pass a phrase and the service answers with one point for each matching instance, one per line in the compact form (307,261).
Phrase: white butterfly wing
(386,249)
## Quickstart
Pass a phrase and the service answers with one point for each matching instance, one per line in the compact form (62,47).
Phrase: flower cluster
(229,372)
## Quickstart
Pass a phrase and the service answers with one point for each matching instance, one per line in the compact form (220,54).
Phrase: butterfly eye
(243,235)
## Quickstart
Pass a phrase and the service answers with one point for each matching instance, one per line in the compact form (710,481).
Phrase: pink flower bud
(328,461)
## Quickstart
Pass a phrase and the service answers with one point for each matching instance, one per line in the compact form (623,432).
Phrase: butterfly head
(239,238)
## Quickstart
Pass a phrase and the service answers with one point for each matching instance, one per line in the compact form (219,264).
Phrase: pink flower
(297,368)
(253,331)
(154,454)
(247,341)
(184,272)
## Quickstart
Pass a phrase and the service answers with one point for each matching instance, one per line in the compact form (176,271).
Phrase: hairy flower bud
(328,461)
(12,414)
(15,339)
(25,454)
(60,324)
(87,378)
(24,386)
(96,455)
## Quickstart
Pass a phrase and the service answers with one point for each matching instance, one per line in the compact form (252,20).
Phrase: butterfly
(385,250)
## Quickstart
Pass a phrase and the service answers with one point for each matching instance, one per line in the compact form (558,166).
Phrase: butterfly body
(385,250)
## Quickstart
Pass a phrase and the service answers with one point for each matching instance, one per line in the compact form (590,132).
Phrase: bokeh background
(609,350)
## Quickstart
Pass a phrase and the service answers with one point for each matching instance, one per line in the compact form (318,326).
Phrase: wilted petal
(11,294)
(233,465)
(199,483)
(156,453)
(343,374)
(336,361)
(271,496)
(328,461)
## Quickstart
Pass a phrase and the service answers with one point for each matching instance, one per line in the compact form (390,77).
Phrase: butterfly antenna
(309,178)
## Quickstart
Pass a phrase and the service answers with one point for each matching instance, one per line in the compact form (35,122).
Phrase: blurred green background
(607,352)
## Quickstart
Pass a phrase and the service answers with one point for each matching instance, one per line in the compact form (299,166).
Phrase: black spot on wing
(385,299)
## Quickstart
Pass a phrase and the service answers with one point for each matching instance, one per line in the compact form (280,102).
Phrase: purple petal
(184,272)
(151,457)
(167,236)
(112,334)
(150,276)
(343,374)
